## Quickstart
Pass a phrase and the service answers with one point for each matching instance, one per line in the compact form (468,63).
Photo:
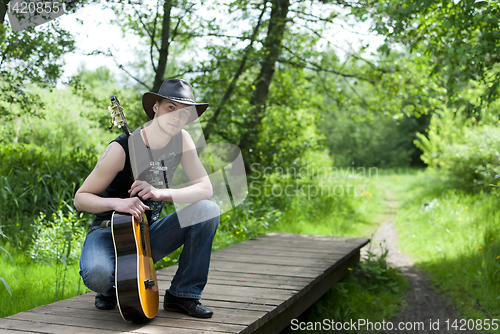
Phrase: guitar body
(136,284)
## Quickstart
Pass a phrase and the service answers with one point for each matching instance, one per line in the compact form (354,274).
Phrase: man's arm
(201,187)
(87,197)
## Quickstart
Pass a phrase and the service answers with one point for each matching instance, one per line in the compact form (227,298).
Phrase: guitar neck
(126,129)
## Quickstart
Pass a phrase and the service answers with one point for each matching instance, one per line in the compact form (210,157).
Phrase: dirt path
(422,302)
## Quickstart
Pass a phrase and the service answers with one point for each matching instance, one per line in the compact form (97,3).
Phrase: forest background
(281,89)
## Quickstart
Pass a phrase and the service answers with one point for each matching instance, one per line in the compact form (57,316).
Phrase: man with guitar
(167,144)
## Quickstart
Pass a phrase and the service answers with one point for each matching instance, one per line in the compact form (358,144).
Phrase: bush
(466,150)
(59,239)
(35,180)
(475,165)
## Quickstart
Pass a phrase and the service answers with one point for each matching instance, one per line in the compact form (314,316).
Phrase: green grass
(34,283)
(354,214)
(455,239)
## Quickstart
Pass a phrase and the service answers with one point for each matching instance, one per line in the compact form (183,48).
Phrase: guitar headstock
(117,116)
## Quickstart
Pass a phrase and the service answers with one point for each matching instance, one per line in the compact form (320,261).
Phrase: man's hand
(134,206)
(144,190)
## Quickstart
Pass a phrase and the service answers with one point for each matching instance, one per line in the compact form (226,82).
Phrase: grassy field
(355,213)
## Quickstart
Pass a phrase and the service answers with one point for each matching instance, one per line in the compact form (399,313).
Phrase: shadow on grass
(471,280)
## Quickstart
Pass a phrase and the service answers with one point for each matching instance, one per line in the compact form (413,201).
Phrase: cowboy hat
(176,90)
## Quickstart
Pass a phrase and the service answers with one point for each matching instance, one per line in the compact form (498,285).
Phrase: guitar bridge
(149,283)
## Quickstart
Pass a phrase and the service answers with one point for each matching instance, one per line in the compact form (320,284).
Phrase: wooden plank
(262,282)
(287,248)
(258,277)
(223,321)
(291,243)
(14,331)
(242,282)
(260,299)
(237,305)
(156,326)
(283,319)
(223,316)
(290,253)
(78,304)
(209,300)
(295,252)
(39,327)
(283,260)
(248,291)
(294,236)
(89,305)
(274,237)
(249,283)
(300,243)
(266,269)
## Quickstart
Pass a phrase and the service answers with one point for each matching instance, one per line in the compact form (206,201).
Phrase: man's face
(172,116)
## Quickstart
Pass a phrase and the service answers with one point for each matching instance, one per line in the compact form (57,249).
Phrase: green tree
(460,38)
(31,56)
(371,113)
(167,29)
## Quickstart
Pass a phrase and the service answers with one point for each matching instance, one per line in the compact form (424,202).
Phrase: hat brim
(149,99)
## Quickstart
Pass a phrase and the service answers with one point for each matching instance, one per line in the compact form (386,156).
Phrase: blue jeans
(97,261)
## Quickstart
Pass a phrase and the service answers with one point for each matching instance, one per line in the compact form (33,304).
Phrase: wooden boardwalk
(256,286)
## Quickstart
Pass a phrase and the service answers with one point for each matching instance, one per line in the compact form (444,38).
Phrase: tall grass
(33,283)
(48,269)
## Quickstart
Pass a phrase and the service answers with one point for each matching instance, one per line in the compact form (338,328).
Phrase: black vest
(157,167)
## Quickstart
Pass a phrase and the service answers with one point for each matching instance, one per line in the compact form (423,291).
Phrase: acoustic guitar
(136,284)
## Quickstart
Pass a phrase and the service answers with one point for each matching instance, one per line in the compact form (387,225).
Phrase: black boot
(103,302)
(190,306)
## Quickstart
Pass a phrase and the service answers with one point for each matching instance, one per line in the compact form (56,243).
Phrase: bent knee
(203,211)
(98,277)
(212,210)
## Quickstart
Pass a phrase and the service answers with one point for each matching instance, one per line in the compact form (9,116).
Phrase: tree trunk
(165,43)
(271,52)
(230,88)
(3,10)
